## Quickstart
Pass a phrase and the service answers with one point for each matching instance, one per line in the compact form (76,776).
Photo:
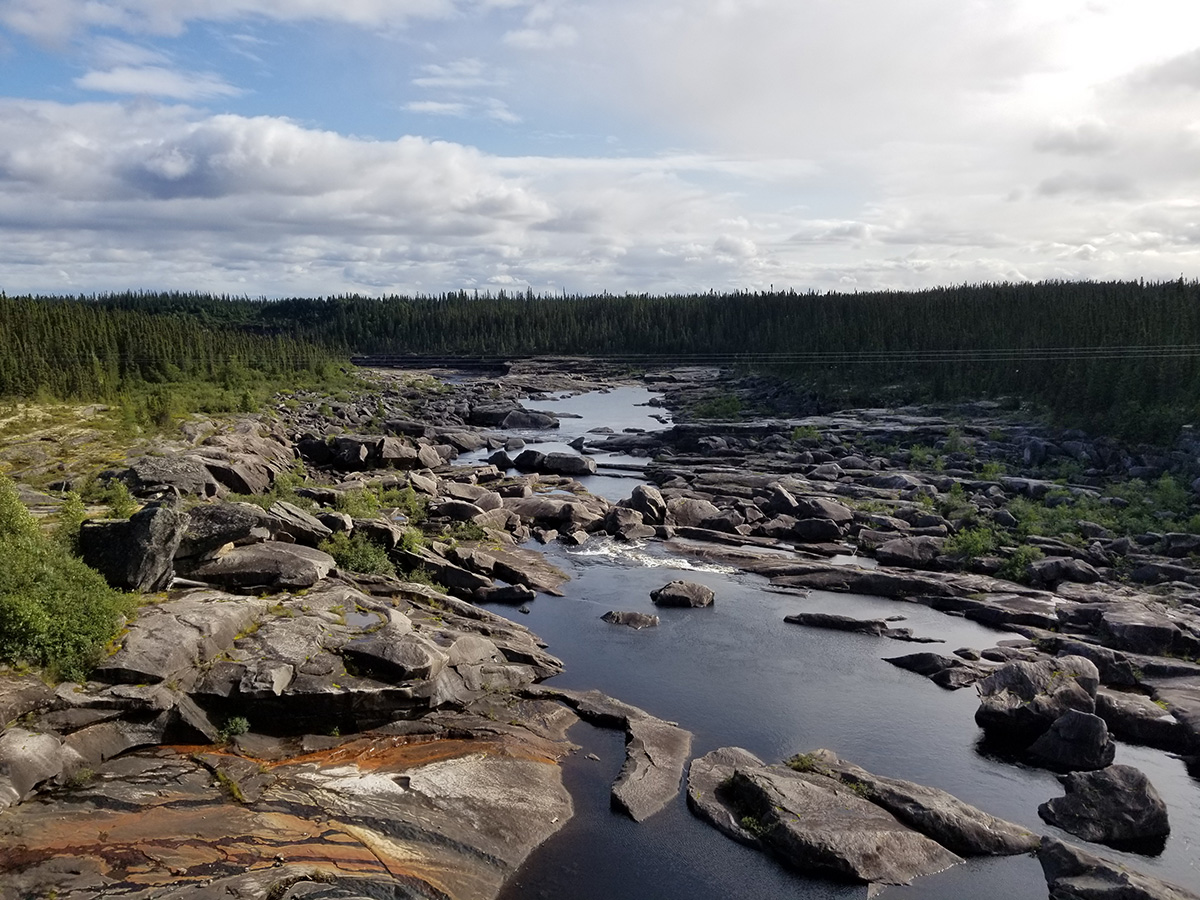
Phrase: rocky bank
(277,723)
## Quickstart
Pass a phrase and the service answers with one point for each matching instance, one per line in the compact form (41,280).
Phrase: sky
(315,147)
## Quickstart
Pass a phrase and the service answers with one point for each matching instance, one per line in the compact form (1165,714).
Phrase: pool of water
(619,409)
(737,674)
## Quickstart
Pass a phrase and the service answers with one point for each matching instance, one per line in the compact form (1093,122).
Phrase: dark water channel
(736,674)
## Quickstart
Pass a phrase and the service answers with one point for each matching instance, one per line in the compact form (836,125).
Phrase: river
(736,674)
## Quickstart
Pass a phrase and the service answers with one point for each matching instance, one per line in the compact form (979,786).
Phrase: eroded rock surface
(824,815)
(378,815)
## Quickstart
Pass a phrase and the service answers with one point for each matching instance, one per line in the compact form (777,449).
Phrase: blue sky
(307,147)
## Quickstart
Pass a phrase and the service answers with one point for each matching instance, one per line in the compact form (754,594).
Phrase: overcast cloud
(284,147)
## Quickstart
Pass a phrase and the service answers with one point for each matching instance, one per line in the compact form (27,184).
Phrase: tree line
(1119,356)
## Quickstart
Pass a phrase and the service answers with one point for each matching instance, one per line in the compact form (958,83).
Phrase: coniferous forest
(1117,357)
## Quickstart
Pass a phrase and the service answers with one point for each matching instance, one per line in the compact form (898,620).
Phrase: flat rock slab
(821,827)
(958,826)
(822,814)
(655,754)
(376,816)
(1182,698)
(655,751)
(1072,874)
(874,627)
(171,640)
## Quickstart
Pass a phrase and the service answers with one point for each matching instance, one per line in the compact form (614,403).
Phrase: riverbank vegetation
(55,612)
(1115,357)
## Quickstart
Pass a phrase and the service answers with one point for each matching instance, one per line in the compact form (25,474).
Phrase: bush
(408,501)
(357,554)
(359,503)
(54,611)
(971,543)
(71,516)
(805,433)
(725,406)
(1016,567)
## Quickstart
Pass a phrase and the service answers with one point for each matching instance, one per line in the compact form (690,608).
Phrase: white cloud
(554,37)
(805,144)
(1089,137)
(157,81)
(458,75)
(437,108)
(57,20)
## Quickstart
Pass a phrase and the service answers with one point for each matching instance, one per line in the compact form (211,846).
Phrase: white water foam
(636,554)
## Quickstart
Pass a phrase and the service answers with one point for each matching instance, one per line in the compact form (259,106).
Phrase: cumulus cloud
(1088,138)
(800,144)
(1181,71)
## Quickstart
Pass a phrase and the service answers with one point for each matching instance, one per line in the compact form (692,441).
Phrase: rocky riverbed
(278,722)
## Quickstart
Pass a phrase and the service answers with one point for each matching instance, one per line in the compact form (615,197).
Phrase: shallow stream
(736,674)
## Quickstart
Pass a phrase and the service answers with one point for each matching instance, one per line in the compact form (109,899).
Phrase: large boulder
(1075,741)
(821,508)
(399,652)
(911,552)
(816,531)
(635,620)
(1116,805)
(825,828)
(682,593)
(297,524)
(270,566)
(655,751)
(568,464)
(1139,720)
(565,513)
(210,526)
(27,759)
(649,502)
(185,475)
(1021,700)
(172,640)
(136,554)
(689,512)
(1054,570)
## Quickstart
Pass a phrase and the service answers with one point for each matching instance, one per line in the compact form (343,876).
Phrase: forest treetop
(1120,356)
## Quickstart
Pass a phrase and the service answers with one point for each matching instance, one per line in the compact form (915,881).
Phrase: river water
(736,674)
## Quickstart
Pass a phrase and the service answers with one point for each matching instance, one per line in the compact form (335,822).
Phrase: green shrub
(467,531)
(920,455)
(408,501)
(54,611)
(234,726)
(359,503)
(71,516)
(726,406)
(358,554)
(1016,567)
(115,495)
(992,471)
(805,433)
(971,543)
(412,540)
